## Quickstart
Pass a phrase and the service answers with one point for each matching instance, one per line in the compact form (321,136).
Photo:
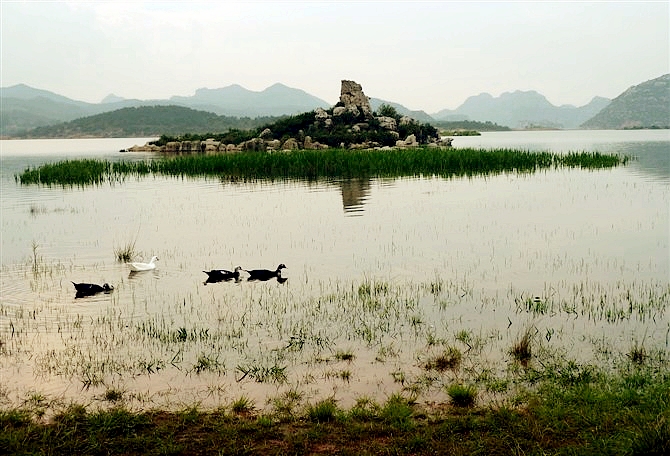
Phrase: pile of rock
(353,104)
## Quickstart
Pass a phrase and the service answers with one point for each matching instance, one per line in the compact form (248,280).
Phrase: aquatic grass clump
(462,395)
(522,348)
(313,165)
(323,411)
(69,172)
(242,405)
(126,252)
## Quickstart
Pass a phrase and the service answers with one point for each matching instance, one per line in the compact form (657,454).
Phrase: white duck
(136,267)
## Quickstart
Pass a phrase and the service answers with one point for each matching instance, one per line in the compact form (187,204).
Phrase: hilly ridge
(645,105)
(146,121)
(24,109)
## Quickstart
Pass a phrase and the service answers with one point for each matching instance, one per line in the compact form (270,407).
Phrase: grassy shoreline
(591,413)
(314,165)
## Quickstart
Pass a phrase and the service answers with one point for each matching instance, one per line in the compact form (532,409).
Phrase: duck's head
(107,287)
(281,266)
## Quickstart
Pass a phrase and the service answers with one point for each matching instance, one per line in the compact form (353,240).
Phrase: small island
(350,124)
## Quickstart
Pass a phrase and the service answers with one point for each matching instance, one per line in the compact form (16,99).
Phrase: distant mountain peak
(111,98)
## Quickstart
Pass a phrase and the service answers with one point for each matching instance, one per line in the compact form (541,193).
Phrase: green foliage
(386,110)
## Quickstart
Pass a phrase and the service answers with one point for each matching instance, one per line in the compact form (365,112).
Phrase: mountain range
(24,108)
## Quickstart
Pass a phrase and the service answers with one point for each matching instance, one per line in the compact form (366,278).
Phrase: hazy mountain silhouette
(644,105)
(235,100)
(24,107)
(522,110)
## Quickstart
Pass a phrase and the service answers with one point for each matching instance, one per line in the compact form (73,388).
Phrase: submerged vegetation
(313,165)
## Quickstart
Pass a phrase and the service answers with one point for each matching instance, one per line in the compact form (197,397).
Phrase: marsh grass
(314,165)
(625,412)
(522,349)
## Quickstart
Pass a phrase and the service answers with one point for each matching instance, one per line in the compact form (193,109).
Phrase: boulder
(273,144)
(339,110)
(321,114)
(209,145)
(254,144)
(290,144)
(173,146)
(266,134)
(411,141)
(388,123)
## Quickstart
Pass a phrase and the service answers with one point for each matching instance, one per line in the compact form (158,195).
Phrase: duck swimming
(265,274)
(89,289)
(136,267)
(221,275)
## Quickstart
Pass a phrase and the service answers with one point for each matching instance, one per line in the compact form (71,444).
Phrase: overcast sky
(423,55)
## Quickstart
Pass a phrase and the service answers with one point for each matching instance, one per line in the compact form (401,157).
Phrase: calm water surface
(389,270)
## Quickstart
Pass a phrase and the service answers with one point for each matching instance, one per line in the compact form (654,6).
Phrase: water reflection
(355,193)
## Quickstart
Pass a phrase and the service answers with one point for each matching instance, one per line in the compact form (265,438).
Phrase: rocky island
(350,124)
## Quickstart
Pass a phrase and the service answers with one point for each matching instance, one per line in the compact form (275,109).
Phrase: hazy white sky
(424,55)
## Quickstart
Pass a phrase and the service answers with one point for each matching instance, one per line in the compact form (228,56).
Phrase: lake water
(389,270)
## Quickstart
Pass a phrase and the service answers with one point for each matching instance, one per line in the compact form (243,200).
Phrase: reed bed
(313,165)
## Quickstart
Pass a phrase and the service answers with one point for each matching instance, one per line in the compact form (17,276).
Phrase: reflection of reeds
(36,267)
(312,165)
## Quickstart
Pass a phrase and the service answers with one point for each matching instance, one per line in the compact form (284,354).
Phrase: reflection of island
(354,194)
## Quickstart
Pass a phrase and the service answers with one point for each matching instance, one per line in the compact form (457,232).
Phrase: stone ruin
(352,101)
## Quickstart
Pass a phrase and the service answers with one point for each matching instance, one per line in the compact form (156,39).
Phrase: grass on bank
(627,413)
(314,165)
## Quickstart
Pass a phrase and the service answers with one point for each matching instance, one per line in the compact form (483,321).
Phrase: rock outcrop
(354,100)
